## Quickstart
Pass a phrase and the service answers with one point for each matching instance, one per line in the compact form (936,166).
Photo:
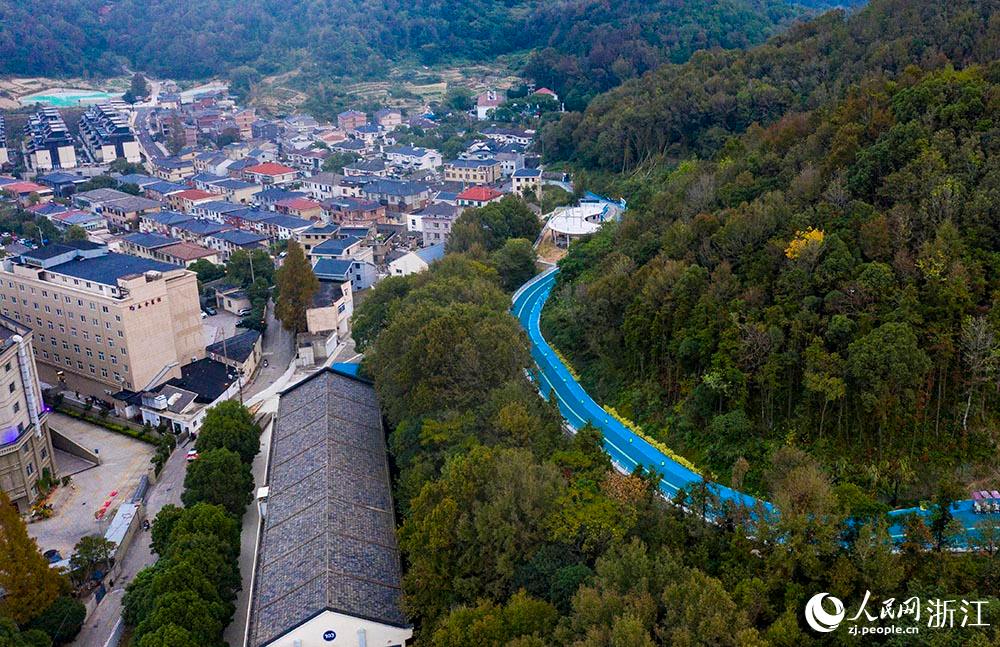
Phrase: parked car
(203,314)
(192,455)
(242,312)
(210,311)
(52,555)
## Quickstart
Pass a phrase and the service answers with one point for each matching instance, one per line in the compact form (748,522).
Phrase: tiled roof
(109,268)
(187,251)
(329,539)
(431,254)
(335,245)
(479,194)
(150,241)
(239,237)
(333,268)
(236,348)
(269,168)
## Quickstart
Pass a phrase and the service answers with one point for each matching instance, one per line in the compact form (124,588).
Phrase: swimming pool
(66,98)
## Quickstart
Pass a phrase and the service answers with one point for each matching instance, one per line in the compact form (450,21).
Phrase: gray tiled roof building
(329,540)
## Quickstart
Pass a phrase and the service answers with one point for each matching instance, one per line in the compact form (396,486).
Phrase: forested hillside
(692,109)
(591,45)
(828,278)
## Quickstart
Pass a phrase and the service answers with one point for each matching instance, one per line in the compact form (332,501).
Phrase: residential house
(185,201)
(264,129)
(332,305)
(307,159)
(526,180)
(349,146)
(416,261)
(229,241)
(62,184)
(242,352)
(25,192)
(161,190)
(478,196)
(48,144)
(367,168)
(180,404)
(397,195)
(197,230)
(172,169)
(437,222)
(282,227)
(409,158)
(487,103)
(321,185)
(270,173)
(351,120)
(215,210)
(509,135)
(316,235)
(389,118)
(357,274)
(485,171)
(369,134)
(269,197)
(231,298)
(300,208)
(353,211)
(125,213)
(351,247)
(162,222)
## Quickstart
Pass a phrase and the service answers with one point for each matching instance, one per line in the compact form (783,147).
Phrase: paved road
(166,490)
(278,348)
(626,448)
(151,148)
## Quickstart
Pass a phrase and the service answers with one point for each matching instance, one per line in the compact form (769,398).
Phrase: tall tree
(219,477)
(297,284)
(229,425)
(30,585)
(75,233)
(139,87)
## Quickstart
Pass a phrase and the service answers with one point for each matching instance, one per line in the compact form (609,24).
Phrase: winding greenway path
(626,448)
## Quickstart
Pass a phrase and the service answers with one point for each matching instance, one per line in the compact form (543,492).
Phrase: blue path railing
(627,450)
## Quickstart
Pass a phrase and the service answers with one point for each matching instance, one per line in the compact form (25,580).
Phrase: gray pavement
(123,462)
(220,326)
(167,489)
(278,348)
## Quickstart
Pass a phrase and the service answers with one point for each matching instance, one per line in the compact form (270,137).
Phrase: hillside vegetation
(828,278)
(587,46)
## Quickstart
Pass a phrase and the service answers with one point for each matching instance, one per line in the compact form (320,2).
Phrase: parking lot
(220,326)
(123,462)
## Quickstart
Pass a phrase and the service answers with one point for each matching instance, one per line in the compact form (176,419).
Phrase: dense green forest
(517,535)
(687,110)
(586,46)
(826,277)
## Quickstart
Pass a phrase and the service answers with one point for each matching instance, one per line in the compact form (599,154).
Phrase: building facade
(112,320)
(25,442)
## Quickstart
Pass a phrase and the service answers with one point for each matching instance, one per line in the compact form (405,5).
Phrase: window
(118,318)
(71,315)
(31,469)
(97,338)
(93,306)
(121,334)
(114,359)
(68,300)
(79,302)
(100,355)
(104,308)
(45,354)
(92,369)
(79,364)
(69,362)
(48,309)
(72,331)
(58,312)
(104,372)
(56,357)
(86,335)
(45,453)
(90,353)
(17,407)
(13,300)
(17,316)
(118,378)
(11,387)
(7,367)
(51,327)
(76,348)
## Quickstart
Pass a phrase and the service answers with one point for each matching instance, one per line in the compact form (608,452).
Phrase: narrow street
(167,490)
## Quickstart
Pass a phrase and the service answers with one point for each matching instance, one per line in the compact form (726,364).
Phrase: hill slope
(827,280)
(593,44)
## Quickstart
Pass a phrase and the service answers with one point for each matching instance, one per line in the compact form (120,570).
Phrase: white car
(192,455)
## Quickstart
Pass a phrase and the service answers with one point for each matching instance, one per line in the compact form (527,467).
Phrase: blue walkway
(626,448)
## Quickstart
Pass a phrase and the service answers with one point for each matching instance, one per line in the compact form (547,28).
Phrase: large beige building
(25,444)
(109,321)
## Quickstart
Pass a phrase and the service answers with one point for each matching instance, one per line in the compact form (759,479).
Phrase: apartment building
(25,442)
(485,171)
(47,142)
(106,134)
(113,321)
(4,153)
